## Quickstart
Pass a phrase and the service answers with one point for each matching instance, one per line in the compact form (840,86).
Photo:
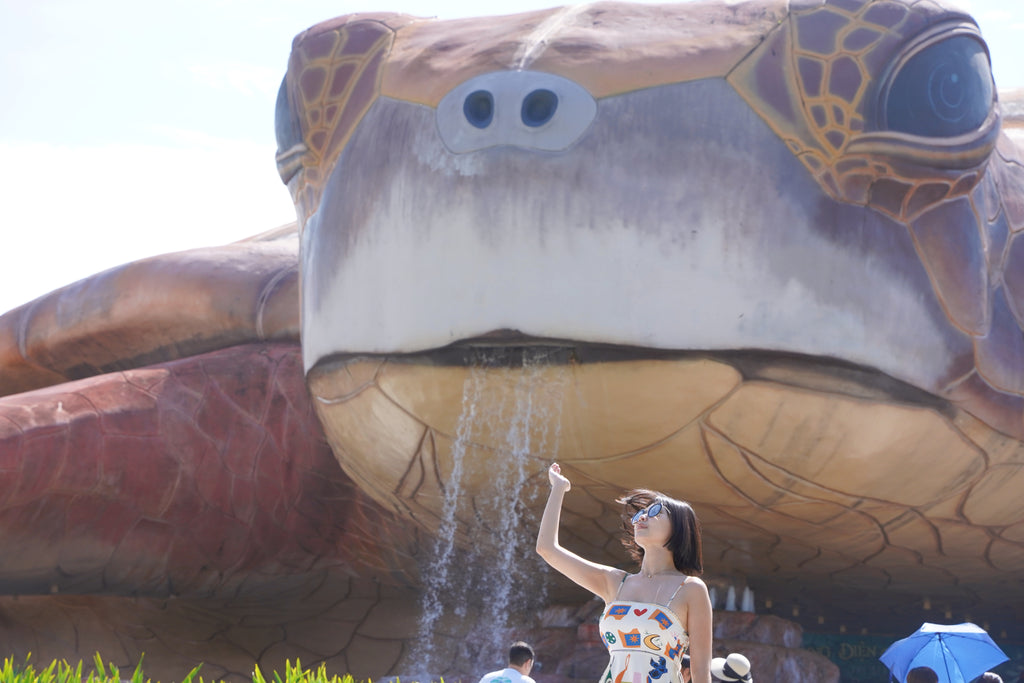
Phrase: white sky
(131,128)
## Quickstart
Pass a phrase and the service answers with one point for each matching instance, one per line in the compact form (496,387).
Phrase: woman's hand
(557,479)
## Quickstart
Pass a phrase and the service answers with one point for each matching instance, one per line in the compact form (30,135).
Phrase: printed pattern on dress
(650,635)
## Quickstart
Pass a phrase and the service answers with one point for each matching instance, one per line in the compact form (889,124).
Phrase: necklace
(652,575)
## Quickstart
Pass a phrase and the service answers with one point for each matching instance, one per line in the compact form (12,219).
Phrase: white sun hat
(735,667)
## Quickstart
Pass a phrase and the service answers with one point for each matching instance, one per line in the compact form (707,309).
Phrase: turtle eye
(943,90)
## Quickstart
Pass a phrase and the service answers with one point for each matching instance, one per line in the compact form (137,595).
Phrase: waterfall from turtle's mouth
(497,571)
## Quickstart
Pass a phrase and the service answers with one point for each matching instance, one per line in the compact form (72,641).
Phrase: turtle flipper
(154,310)
(204,477)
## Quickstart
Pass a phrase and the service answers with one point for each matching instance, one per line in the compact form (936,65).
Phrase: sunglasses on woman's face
(653,511)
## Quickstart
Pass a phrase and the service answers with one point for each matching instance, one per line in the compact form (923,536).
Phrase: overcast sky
(130,128)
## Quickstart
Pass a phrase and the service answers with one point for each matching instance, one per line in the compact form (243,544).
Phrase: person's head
(520,656)
(675,526)
(735,667)
(685,668)
(922,674)
(988,677)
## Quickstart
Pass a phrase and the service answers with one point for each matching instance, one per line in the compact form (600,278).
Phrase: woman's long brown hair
(685,542)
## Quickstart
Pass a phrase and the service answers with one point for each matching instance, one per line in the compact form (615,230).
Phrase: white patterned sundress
(646,642)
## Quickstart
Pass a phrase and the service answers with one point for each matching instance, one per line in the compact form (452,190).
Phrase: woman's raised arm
(599,579)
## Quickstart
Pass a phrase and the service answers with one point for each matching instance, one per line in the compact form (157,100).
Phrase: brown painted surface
(781,462)
(155,310)
(348,624)
(203,477)
(193,512)
(638,46)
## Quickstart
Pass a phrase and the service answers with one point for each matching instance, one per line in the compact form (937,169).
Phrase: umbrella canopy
(958,653)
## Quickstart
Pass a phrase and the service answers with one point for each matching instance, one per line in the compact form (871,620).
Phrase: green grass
(296,674)
(63,672)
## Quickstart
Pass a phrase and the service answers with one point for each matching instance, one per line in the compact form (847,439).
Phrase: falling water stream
(497,572)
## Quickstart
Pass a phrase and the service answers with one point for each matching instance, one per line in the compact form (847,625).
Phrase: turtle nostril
(531,110)
(538,107)
(479,108)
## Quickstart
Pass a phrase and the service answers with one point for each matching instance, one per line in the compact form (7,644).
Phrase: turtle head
(712,181)
(772,247)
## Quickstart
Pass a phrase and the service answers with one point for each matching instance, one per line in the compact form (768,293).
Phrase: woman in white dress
(654,617)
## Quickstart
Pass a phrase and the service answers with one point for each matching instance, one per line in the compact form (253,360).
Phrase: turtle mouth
(510,349)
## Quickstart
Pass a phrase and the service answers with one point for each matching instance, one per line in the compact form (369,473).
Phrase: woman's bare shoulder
(696,582)
(693,587)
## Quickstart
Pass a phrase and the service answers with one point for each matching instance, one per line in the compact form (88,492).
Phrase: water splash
(534,401)
(436,579)
(498,568)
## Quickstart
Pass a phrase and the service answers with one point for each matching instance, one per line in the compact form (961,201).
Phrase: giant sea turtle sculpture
(769,251)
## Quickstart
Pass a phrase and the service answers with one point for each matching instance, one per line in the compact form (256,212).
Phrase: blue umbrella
(958,653)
